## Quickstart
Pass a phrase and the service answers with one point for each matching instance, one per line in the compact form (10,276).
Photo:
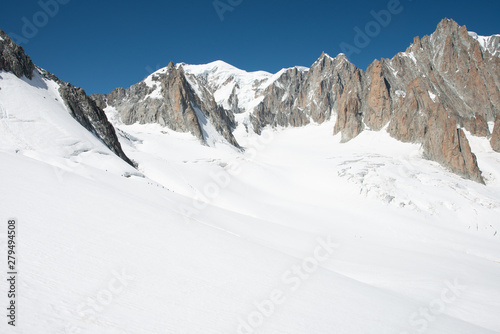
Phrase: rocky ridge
(173,99)
(442,84)
(495,138)
(441,88)
(81,107)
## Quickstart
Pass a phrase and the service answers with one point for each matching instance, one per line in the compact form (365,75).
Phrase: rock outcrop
(281,106)
(349,115)
(172,99)
(80,106)
(447,73)
(13,59)
(447,144)
(452,72)
(91,117)
(378,103)
(300,95)
(495,138)
(440,86)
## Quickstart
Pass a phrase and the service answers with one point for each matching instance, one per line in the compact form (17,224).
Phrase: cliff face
(449,83)
(173,99)
(495,138)
(79,105)
(451,72)
(440,86)
(13,59)
(300,96)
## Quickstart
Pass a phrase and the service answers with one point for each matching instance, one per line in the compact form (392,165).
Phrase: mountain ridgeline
(442,88)
(442,84)
(81,107)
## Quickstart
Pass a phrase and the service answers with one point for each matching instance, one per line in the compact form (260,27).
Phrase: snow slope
(490,43)
(297,234)
(35,122)
(221,78)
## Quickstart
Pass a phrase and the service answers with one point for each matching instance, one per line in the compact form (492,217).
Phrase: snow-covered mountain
(443,82)
(168,98)
(488,43)
(299,231)
(236,90)
(43,115)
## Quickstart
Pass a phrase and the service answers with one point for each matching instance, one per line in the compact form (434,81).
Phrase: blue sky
(101,45)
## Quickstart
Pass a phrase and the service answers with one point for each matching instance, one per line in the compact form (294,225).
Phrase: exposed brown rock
(495,138)
(409,123)
(298,96)
(378,111)
(349,119)
(281,106)
(448,145)
(175,108)
(447,73)
(454,75)
(349,116)
(477,125)
(423,120)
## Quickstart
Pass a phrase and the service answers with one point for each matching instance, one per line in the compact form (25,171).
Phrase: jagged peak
(323,58)
(446,22)
(14,59)
(324,54)
(451,29)
(447,26)
(341,56)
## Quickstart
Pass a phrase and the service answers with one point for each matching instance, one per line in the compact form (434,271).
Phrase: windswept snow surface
(297,234)
(35,122)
